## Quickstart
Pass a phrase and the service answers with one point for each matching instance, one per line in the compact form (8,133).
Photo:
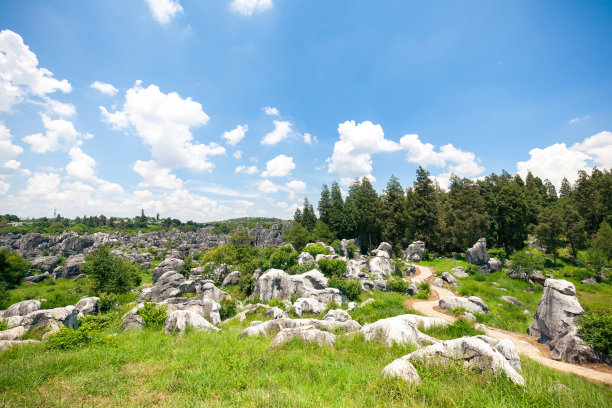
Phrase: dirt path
(524,344)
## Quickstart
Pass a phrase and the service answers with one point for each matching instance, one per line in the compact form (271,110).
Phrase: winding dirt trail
(524,344)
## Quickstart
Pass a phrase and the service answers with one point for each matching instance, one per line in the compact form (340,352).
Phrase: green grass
(444,264)
(459,328)
(148,368)
(386,304)
(62,292)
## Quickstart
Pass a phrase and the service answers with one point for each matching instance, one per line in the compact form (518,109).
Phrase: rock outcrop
(167,265)
(308,305)
(395,330)
(72,269)
(168,285)
(380,266)
(277,284)
(478,255)
(178,321)
(307,334)
(414,252)
(272,326)
(87,306)
(472,304)
(22,308)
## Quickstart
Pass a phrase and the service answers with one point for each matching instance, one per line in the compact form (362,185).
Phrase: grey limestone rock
(231,279)
(44,263)
(207,308)
(412,290)
(307,334)
(495,265)
(167,285)
(513,300)
(589,281)
(73,267)
(22,308)
(168,264)
(305,258)
(472,304)
(414,252)
(278,284)
(567,346)
(401,368)
(395,330)
(337,315)
(87,306)
(478,255)
(178,320)
(308,305)
(450,279)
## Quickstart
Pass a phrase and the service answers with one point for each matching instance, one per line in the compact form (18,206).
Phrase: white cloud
(282,130)
(60,134)
(271,111)
(222,190)
(280,166)
(248,7)
(59,108)
(81,166)
(309,139)
(295,186)
(454,160)
(164,122)
(4,187)
(266,186)
(246,169)
(164,10)
(155,176)
(557,161)
(20,75)
(576,120)
(8,150)
(237,154)
(235,135)
(352,153)
(105,88)
(42,185)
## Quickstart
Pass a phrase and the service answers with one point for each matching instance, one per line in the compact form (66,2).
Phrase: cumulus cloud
(280,166)
(164,123)
(267,187)
(105,88)
(271,111)
(155,176)
(8,150)
(21,78)
(234,136)
(452,159)
(309,139)
(60,134)
(352,153)
(557,161)
(4,187)
(246,169)
(578,119)
(248,7)
(164,10)
(295,186)
(282,130)
(237,154)
(82,168)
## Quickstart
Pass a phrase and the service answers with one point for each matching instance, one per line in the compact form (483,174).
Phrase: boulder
(6,344)
(589,281)
(168,264)
(37,278)
(272,312)
(207,308)
(132,319)
(276,325)
(307,334)
(567,346)
(44,263)
(87,306)
(478,255)
(308,305)
(167,285)
(22,308)
(278,284)
(380,266)
(231,279)
(337,315)
(558,309)
(495,265)
(513,300)
(526,275)
(81,276)
(14,333)
(450,279)
(459,272)
(178,320)
(410,270)
(381,285)
(412,290)
(385,246)
(352,306)
(395,330)
(473,351)
(438,282)
(507,349)
(472,304)
(414,252)
(73,267)
(421,321)
(403,369)
(67,316)
(305,259)
(208,290)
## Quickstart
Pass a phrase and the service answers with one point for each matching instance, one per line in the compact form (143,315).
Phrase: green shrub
(498,253)
(186,267)
(480,277)
(350,288)
(283,257)
(107,301)
(596,329)
(275,302)
(456,311)
(398,285)
(336,246)
(13,268)
(428,256)
(89,332)
(111,273)
(424,286)
(228,308)
(317,249)
(472,270)
(351,249)
(332,267)
(153,315)
(527,260)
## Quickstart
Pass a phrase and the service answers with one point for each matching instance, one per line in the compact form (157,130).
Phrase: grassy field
(148,368)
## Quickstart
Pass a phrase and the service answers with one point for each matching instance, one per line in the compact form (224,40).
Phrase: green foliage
(472,270)
(386,304)
(297,235)
(498,253)
(316,249)
(551,228)
(424,286)
(228,308)
(351,249)
(398,285)
(458,310)
(153,315)
(187,265)
(602,241)
(332,267)
(283,257)
(596,329)
(459,328)
(336,246)
(107,301)
(350,288)
(527,260)
(13,268)
(89,332)
(593,258)
(111,273)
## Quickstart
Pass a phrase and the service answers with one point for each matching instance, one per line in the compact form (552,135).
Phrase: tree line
(503,208)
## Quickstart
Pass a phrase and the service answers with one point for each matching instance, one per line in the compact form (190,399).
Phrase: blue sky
(207,110)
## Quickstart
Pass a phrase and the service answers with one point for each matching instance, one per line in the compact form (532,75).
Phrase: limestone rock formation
(472,304)
(337,315)
(308,305)
(414,252)
(307,334)
(450,279)
(73,267)
(178,320)
(395,330)
(401,368)
(168,264)
(278,284)
(22,308)
(478,255)
(167,286)
(87,306)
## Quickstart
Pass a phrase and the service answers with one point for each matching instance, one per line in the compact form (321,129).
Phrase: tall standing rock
(558,309)
(478,255)
(414,252)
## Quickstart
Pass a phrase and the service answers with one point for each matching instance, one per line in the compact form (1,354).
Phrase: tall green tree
(423,206)
(336,211)
(488,195)
(467,219)
(511,214)
(393,216)
(602,241)
(366,207)
(110,273)
(565,191)
(325,205)
(550,229)
(13,268)
(574,226)
(309,218)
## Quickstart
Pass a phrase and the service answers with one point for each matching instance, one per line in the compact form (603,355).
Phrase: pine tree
(325,205)
(603,240)
(467,218)
(393,215)
(566,189)
(550,230)
(424,210)
(297,216)
(366,207)
(336,212)
(309,218)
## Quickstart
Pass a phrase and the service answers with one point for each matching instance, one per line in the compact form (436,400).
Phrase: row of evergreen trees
(503,208)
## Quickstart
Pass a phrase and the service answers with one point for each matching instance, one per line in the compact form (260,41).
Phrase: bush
(351,289)
(283,257)
(111,273)
(153,315)
(332,268)
(13,268)
(498,253)
(527,260)
(228,308)
(351,249)
(107,302)
(89,332)
(336,246)
(472,270)
(428,256)
(398,285)
(596,329)
(424,286)
(317,249)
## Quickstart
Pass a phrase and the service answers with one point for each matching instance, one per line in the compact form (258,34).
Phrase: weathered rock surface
(337,315)
(167,265)
(439,282)
(589,281)
(44,263)
(473,351)
(167,285)
(385,246)
(395,330)
(414,252)
(567,346)
(14,333)
(513,300)
(272,312)
(279,324)
(380,266)
(208,309)
(231,279)
(472,304)
(450,279)
(558,309)
(412,290)
(305,258)
(459,272)
(410,270)
(132,319)
(67,316)
(73,267)
(401,368)
(87,306)
(307,334)
(495,265)
(278,284)
(478,255)
(178,321)
(22,308)
(208,290)
(6,344)
(38,278)
(308,305)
